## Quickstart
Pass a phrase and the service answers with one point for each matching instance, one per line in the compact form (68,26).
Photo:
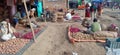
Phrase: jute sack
(105,34)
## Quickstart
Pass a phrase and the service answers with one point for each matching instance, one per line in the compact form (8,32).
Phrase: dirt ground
(54,41)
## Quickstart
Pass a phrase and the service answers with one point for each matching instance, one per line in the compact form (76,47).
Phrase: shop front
(76,3)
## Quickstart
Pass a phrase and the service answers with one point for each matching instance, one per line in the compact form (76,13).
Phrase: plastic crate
(113,43)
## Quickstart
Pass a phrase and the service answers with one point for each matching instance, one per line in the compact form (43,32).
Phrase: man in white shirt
(68,16)
(7,30)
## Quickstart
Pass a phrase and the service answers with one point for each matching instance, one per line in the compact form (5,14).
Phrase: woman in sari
(87,12)
(99,9)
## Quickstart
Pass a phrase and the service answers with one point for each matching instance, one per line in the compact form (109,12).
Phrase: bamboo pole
(29,20)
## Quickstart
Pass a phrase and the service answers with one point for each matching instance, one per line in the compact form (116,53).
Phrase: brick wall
(52,4)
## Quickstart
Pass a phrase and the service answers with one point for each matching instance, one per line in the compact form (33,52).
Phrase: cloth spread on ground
(29,35)
(76,17)
(74,30)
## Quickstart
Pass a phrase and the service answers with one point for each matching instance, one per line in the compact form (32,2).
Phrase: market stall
(76,34)
(24,38)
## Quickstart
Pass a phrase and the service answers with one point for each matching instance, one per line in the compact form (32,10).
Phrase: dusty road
(54,41)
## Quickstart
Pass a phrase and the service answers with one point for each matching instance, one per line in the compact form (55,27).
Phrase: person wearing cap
(32,12)
(32,18)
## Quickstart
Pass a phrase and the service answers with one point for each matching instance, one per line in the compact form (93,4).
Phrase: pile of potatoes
(12,46)
(101,35)
(82,36)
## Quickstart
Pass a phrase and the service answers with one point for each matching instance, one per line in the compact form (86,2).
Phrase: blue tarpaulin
(97,0)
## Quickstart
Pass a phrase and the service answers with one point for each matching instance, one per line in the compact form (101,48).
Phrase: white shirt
(5,35)
(69,16)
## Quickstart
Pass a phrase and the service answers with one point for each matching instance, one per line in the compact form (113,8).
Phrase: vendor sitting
(68,16)
(95,26)
(16,19)
(7,30)
(33,20)
(73,12)
(113,27)
(32,12)
(33,23)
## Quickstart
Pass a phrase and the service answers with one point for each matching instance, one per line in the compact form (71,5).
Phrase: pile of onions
(29,35)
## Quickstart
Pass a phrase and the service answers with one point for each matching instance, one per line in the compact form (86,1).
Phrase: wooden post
(43,1)
(29,20)
(68,4)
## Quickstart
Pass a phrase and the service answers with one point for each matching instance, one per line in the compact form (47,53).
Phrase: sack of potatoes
(105,34)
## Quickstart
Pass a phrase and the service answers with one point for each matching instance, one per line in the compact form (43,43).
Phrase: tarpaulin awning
(97,0)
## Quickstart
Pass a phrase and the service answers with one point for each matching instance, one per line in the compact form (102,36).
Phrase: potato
(82,36)
(12,46)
